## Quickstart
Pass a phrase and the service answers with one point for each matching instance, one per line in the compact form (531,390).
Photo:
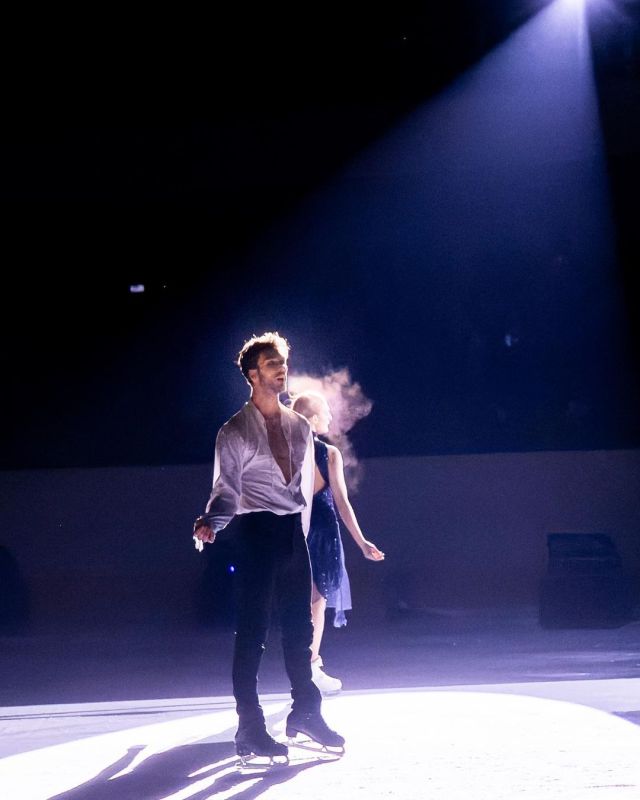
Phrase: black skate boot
(313,725)
(254,741)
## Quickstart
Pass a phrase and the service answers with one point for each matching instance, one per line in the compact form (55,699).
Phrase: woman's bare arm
(345,509)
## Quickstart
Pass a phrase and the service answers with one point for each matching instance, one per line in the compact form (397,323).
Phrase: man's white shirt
(246,476)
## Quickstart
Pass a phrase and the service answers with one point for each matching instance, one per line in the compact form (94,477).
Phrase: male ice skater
(263,473)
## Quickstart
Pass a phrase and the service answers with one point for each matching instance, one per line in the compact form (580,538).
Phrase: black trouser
(272,565)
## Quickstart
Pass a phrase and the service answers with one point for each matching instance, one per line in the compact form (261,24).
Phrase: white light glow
(409,744)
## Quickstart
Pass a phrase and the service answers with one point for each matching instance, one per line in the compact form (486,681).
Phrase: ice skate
(325,683)
(313,725)
(256,749)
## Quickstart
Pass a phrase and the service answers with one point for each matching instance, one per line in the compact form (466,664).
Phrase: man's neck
(267,404)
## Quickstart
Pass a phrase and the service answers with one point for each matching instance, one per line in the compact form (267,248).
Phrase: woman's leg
(318,607)
(324,682)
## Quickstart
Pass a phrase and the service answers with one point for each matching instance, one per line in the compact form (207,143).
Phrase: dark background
(194,155)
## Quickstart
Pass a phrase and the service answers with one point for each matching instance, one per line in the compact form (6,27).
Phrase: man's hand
(202,533)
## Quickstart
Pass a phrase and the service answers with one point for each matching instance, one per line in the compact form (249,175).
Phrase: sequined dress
(325,544)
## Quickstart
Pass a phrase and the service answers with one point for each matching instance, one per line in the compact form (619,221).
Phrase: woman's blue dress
(325,544)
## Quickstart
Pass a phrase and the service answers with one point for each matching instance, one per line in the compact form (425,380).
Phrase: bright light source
(136,288)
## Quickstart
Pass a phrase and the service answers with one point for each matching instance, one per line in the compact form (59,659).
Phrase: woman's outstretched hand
(370,551)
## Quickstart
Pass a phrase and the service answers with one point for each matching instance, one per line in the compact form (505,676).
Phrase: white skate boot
(324,682)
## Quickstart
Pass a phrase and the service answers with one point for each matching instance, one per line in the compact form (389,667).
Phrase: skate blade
(321,750)
(253,763)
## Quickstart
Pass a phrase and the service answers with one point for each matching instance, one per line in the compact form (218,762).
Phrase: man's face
(271,373)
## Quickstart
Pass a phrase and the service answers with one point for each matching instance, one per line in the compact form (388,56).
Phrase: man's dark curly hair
(251,349)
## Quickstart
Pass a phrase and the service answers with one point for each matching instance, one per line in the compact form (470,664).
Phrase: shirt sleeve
(227,474)
(306,482)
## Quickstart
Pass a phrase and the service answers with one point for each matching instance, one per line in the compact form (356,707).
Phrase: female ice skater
(330,580)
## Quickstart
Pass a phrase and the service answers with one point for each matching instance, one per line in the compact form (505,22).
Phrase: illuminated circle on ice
(406,744)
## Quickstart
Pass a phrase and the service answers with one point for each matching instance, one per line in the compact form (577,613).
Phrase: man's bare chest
(279,447)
